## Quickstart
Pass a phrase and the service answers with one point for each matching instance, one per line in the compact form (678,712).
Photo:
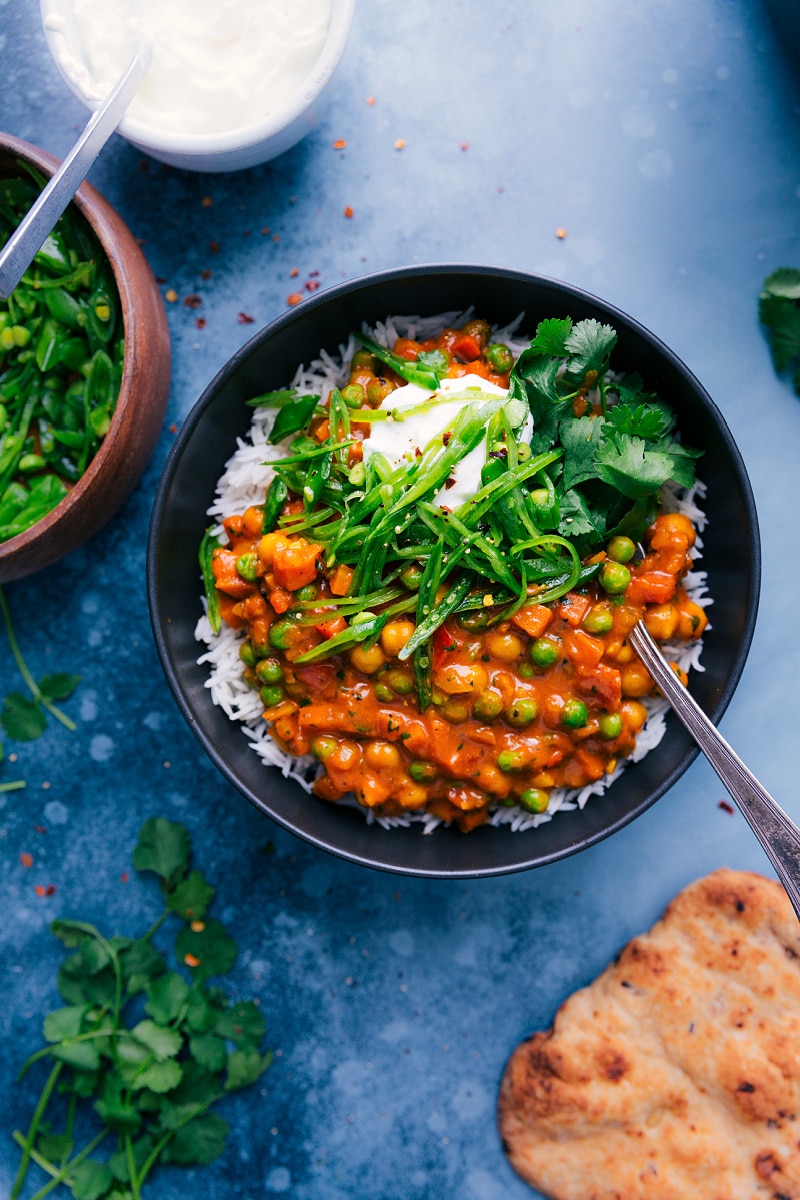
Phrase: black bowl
(208,437)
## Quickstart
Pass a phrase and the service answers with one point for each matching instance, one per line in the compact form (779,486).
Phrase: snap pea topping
(61,356)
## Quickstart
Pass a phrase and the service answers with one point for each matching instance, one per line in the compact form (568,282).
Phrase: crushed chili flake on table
(561,234)
(192,301)
(464,146)
(348,212)
(339,144)
(213,247)
(205,273)
(728,808)
(207,201)
(50,890)
(371,101)
(200,322)
(294,273)
(294,298)
(26,859)
(312,285)
(191,960)
(244,318)
(124,877)
(400,144)
(170,295)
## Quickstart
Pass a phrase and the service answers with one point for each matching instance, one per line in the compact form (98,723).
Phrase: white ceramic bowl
(245,146)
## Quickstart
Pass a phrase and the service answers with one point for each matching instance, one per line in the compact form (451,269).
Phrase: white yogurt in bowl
(231,82)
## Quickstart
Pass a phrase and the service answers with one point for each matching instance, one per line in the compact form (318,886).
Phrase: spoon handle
(29,236)
(777,833)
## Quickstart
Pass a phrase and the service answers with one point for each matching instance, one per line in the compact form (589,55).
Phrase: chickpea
(679,671)
(462,679)
(505,646)
(252,520)
(599,619)
(455,711)
(346,755)
(692,620)
(661,621)
(412,796)
(634,714)
(266,547)
(377,391)
(368,660)
(395,635)
(400,681)
(671,529)
(383,756)
(323,747)
(635,681)
(488,705)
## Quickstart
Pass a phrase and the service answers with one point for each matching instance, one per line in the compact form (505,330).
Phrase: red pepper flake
(173,428)
(728,808)
(339,144)
(170,295)
(561,233)
(294,298)
(448,483)
(500,191)
(160,279)
(265,230)
(26,859)
(37,828)
(371,101)
(464,146)
(294,273)
(192,301)
(348,212)
(207,201)
(124,877)
(213,246)
(205,273)
(446,437)
(313,274)
(191,960)
(50,890)
(200,322)
(400,144)
(312,285)
(276,237)
(244,318)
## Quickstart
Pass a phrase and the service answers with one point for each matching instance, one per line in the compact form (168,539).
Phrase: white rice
(245,479)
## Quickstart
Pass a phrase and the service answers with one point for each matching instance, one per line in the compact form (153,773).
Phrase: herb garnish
(25,718)
(151,1084)
(592,467)
(779,312)
(61,352)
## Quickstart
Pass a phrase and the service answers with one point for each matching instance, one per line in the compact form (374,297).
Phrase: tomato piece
(466,347)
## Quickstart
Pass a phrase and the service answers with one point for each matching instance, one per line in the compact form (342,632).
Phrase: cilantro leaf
(245,1067)
(648,421)
(22,718)
(118,1163)
(242,1023)
(72,933)
(191,897)
(64,1022)
(83,1056)
(589,345)
(90,1180)
(59,686)
(166,996)
(162,1043)
(115,1109)
(159,1076)
(207,951)
(208,1050)
(200,1140)
(551,336)
(580,439)
(782,320)
(577,520)
(784,282)
(636,471)
(163,848)
(141,963)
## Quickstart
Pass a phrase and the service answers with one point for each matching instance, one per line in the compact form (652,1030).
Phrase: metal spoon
(29,237)
(777,833)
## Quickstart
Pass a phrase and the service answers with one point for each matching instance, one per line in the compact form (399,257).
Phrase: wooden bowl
(127,447)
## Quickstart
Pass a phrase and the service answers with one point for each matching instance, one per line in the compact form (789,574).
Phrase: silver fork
(777,833)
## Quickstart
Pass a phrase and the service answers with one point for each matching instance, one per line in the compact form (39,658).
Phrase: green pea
(487,705)
(280,634)
(599,619)
(511,761)
(353,395)
(574,714)
(411,576)
(363,360)
(269,670)
(247,654)
(399,681)
(474,621)
(525,669)
(610,726)
(270,696)
(499,357)
(522,712)
(422,772)
(534,800)
(323,747)
(247,566)
(621,549)
(545,651)
(614,578)
(383,692)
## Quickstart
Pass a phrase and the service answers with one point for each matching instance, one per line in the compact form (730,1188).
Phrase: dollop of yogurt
(400,440)
(217,65)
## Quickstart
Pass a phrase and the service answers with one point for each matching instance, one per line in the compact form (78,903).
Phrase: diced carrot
(573,607)
(280,599)
(533,619)
(227,610)
(407,348)
(226,577)
(323,431)
(252,520)
(583,650)
(329,629)
(294,563)
(467,348)
(341,579)
(233,526)
(651,587)
(603,684)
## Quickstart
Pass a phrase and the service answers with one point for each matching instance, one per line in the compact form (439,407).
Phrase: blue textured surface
(663,137)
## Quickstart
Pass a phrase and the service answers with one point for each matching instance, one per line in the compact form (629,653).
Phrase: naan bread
(676,1074)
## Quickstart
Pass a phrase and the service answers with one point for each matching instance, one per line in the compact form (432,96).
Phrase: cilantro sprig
(148,1048)
(779,313)
(22,717)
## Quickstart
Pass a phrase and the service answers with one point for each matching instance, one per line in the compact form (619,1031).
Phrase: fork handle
(777,833)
